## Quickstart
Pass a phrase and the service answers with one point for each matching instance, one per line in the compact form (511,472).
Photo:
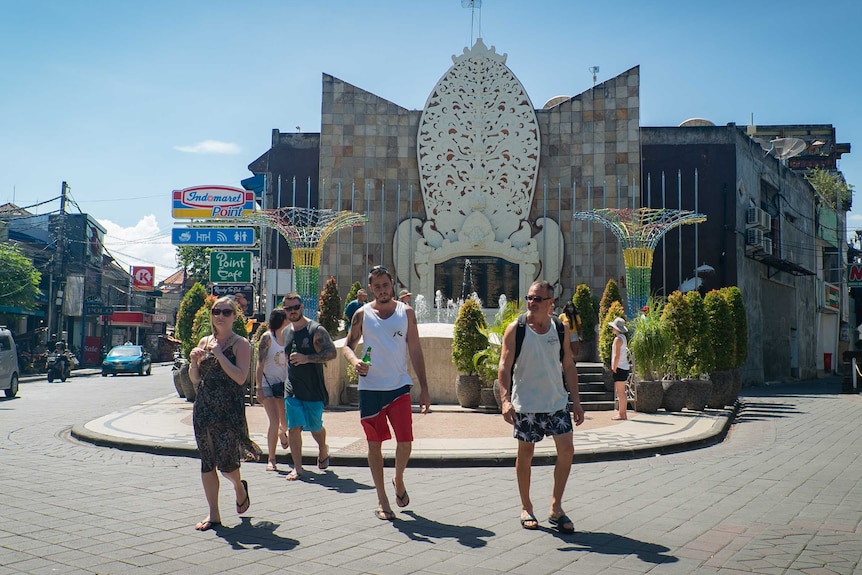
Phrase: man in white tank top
(535,399)
(389,327)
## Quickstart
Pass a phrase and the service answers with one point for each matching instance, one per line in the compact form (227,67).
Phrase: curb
(713,436)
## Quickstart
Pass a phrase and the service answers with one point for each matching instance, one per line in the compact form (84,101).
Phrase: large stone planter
(189,390)
(674,394)
(697,393)
(648,396)
(177,385)
(722,388)
(736,387)
(487,394)
(468,390)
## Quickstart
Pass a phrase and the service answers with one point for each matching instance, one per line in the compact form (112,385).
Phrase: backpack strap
(521,331)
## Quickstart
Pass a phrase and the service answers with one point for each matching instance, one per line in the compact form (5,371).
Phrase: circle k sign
(143,278)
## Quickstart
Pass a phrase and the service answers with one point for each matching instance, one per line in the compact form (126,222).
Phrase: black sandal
(246,503)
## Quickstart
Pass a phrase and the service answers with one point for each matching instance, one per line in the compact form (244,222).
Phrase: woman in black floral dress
(220,364)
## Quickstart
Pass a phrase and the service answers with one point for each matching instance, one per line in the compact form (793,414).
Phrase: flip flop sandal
(323,463)
(402,500)
(246,503)
(529,518)
(559,523)
(384,515)
(285,442)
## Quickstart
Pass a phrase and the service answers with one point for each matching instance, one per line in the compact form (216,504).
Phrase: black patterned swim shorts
(534,427)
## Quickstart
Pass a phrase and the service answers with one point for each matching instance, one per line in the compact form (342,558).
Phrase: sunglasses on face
(537,298)
(222,311)
(292,307)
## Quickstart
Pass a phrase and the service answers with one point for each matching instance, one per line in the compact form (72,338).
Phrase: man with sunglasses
(308,346)
(389,327)
(535,399)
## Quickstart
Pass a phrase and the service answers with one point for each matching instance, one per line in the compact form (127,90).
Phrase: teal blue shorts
(305,414)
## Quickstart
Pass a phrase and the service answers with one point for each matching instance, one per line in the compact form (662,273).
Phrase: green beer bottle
(366,359)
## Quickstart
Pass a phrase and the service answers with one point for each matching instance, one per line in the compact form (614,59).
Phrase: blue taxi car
(127,358)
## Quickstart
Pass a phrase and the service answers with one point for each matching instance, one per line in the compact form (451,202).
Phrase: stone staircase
(594,396)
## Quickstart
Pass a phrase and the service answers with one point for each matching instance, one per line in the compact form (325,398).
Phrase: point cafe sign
(212,202)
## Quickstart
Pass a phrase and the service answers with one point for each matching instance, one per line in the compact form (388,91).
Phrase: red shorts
(377,406)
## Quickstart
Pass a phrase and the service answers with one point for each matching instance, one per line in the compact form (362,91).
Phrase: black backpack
(521,331)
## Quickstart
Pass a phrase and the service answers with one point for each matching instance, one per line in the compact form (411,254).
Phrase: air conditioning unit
(752,216)
(754,238)
(765,220)
(767,246)
(757,218)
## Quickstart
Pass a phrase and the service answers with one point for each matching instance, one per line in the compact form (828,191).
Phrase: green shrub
(189,306)
(700,353)
(740,324)
(486,361)
(650,343)
(677,320)
(468,337)
(721,335)
(609,296)
(329,305)
(583,300)
(351,295)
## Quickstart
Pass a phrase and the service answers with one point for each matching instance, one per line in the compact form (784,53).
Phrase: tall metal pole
(679,230)
(695,231)
(61,252)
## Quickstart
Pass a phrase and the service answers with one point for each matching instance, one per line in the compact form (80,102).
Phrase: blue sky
(127,101)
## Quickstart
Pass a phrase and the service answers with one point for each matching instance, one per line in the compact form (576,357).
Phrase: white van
(8,363)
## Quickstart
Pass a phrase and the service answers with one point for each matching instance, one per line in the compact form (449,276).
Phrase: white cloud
(210,147)
(143,244)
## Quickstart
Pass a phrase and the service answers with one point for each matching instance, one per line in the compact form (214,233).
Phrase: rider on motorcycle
(62,358)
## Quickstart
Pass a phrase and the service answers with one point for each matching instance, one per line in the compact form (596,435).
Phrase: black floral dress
(221,429)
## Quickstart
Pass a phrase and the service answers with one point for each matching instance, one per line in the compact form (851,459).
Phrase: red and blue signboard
(212,202)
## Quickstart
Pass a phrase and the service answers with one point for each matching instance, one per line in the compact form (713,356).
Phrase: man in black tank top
(308,346)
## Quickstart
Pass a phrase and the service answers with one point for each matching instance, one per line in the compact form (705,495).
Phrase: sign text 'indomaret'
(212,202)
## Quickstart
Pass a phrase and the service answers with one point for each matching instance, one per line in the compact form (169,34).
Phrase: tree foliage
(19,280)
(196,261)
(700,353)
(721,333)
(351,295)
(610,295)
(831,187)
(650,342)
(677,319)
(329,304)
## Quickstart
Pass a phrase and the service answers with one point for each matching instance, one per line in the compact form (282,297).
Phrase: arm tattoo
(263,348)
(324,346)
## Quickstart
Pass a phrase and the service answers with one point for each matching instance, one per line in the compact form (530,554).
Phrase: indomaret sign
(212,202)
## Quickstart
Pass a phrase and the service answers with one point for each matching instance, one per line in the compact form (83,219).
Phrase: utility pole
(61,256)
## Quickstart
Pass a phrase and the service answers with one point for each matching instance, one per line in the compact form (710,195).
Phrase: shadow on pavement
(335,483)
(761,411)
(255,536)
(613,544)
(425,530)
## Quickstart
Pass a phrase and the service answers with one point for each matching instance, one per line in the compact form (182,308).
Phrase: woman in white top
(620,365)
(270,375)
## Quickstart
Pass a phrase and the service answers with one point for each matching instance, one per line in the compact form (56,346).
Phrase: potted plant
(467,340)
(650,345)
(722,343)
(697,383)
(486,362)
(609,296)
(583,300)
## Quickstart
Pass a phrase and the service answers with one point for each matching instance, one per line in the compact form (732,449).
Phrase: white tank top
(538,379)
(388,341)
(624,354)
(275,365)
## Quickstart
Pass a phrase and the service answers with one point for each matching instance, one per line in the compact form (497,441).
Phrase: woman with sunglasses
(219,366)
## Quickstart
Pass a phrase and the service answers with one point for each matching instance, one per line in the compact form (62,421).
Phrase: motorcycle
(60,366)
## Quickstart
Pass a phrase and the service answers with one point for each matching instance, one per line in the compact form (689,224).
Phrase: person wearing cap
(404,296)
(620,365)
